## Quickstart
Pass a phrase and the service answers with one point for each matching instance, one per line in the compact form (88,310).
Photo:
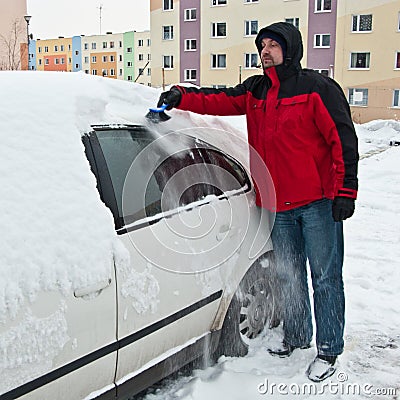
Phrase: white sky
(51,18)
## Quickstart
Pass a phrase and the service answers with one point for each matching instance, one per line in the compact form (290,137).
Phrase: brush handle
(159,109)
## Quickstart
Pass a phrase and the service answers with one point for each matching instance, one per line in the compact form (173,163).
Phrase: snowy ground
(370,364)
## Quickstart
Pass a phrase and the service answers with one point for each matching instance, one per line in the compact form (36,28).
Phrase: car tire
(252,309)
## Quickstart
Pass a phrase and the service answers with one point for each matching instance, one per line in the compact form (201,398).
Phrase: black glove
(172,98)
(342,208)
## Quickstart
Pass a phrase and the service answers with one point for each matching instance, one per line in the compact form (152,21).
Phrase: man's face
(271,53)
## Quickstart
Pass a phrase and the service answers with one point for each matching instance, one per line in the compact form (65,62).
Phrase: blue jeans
(309,232)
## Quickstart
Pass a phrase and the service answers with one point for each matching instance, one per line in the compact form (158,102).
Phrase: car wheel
(251,310)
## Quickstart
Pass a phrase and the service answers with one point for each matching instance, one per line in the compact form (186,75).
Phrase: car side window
(150,177)
(230,175)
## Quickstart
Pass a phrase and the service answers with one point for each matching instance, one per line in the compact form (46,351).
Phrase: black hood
(294,46)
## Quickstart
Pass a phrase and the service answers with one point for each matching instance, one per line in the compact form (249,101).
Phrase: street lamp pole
(27,19)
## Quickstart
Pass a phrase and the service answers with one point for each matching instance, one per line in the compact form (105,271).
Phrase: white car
(189,273)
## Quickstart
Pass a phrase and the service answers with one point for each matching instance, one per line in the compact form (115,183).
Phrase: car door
(62,346)
(174,217)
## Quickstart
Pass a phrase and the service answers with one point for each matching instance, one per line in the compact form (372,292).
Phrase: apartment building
(142,63)
(368,57)
(124,56)
(211,43)
(51,55)
(104,55)
(13,35)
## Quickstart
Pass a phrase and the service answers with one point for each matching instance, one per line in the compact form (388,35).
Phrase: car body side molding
(106,350)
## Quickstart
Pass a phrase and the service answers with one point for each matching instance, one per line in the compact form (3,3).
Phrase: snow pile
(375,136)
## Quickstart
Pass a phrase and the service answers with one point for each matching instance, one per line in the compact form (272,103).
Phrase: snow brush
(158,114)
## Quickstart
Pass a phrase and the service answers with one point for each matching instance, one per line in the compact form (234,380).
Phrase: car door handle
(94,289)
(226,231)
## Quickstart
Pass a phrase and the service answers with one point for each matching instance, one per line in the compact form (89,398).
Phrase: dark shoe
(285,349)
(321,368)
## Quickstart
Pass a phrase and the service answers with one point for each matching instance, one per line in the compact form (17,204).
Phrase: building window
(360,60)
(104,72)
(129,64)
(112,58)
(190,14)
(112,45)
(218,29)
(104,46)
(120,44)
(112,72)
(190,74)
(129,49)
(396,97)
(86,60)
(94,71)
(120,72)
(148,42)
(69,60)
(76,66)
(251,60)
(56,61)
(294,21)
(218,2)
(69,48)
(40,61)
(323,5)
(77,52)
(322,40)
(46,61)
(62,48)
(218,86)
(63,60)
(140,57)
(94,59)
(86,46)
(149,57)
(251,1)
(93,46)
(105,59)
(362,23)
(168,62)
(250,28)
(358,97)
(46,49)
(148,71)
(168,5)
(140,43)
(130,78)
(120,57)
(397,61)
(218,61)
(56,48)
(39,49)
(168,32)
(190,44)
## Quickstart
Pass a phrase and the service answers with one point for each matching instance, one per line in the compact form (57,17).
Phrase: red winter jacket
(298,121)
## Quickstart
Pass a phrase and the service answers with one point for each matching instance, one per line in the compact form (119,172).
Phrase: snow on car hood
(56,232)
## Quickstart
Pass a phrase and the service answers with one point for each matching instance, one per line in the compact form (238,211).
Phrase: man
(300,124)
